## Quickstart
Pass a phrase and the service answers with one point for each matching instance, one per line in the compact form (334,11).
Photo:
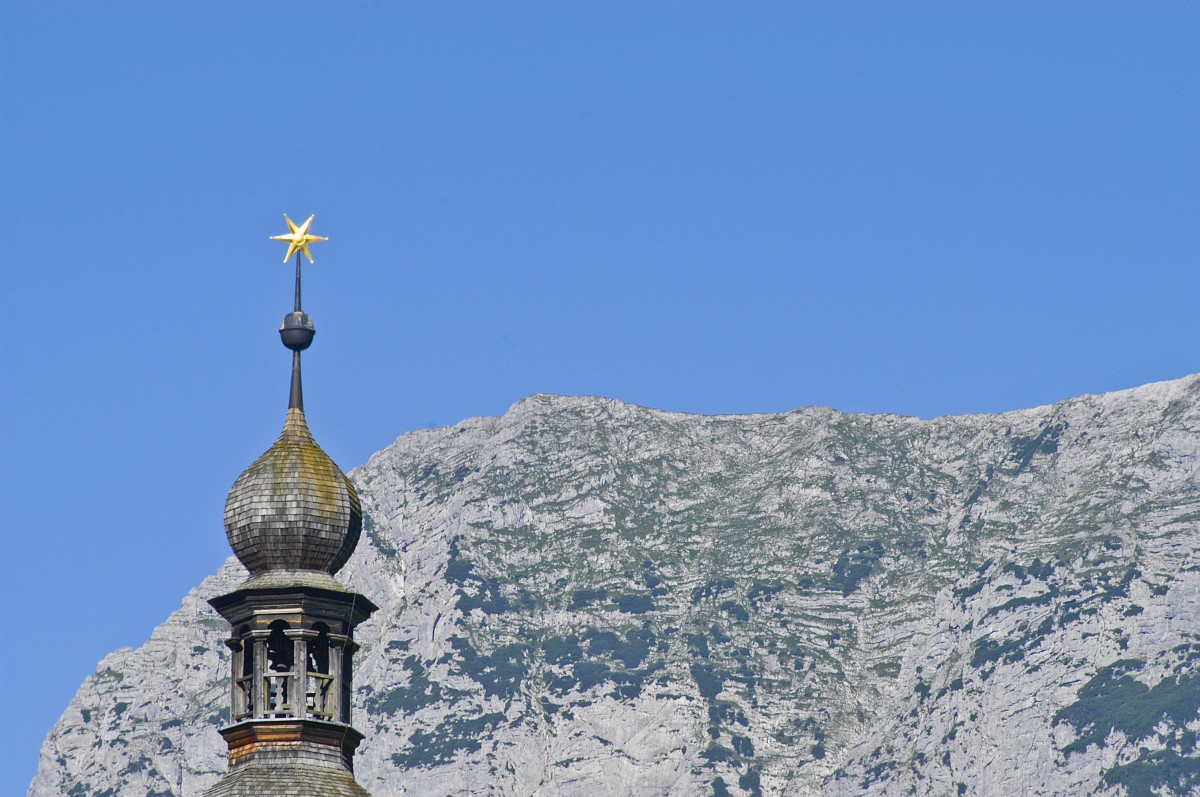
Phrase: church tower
(293,519)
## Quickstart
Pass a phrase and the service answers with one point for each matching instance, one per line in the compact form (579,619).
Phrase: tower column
(337,708)
(299,674)
(348,679)
(258,684)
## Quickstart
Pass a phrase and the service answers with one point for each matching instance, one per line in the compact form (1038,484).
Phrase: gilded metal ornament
(298,239)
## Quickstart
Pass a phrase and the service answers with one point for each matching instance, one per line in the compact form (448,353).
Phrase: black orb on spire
(297,331)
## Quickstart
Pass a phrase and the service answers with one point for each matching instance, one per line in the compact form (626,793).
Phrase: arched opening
(277,677)
(243,674)
(247,649)
(321,687)
(318,650)
(280,650)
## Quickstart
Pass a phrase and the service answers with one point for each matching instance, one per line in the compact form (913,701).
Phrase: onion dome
(293,509)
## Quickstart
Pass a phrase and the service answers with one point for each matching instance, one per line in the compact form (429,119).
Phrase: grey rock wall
(584,597)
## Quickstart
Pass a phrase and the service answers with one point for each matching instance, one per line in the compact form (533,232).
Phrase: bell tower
(293,519)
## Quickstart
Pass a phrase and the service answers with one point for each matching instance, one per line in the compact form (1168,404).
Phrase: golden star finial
(298,239)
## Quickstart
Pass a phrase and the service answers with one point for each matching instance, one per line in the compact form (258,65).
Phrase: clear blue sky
(922,208)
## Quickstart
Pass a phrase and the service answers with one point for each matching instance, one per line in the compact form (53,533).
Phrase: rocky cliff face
(584,597)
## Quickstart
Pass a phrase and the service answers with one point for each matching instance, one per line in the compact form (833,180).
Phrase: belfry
(293,519)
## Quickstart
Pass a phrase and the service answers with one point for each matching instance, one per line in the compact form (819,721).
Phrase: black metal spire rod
(297,330)
(297,282)
(296,399)
(297,334)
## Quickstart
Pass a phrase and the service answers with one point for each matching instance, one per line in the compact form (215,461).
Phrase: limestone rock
(585,597)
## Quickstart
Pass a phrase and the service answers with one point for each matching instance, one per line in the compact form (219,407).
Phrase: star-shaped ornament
(298,239)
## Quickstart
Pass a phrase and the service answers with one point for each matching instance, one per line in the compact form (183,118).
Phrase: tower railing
(243,698)
(319,700)
(278,694)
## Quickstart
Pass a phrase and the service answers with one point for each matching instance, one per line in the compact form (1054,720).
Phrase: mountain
(585,597)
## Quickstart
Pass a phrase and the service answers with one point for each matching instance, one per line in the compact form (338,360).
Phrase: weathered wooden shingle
(293,509)
(287,780)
